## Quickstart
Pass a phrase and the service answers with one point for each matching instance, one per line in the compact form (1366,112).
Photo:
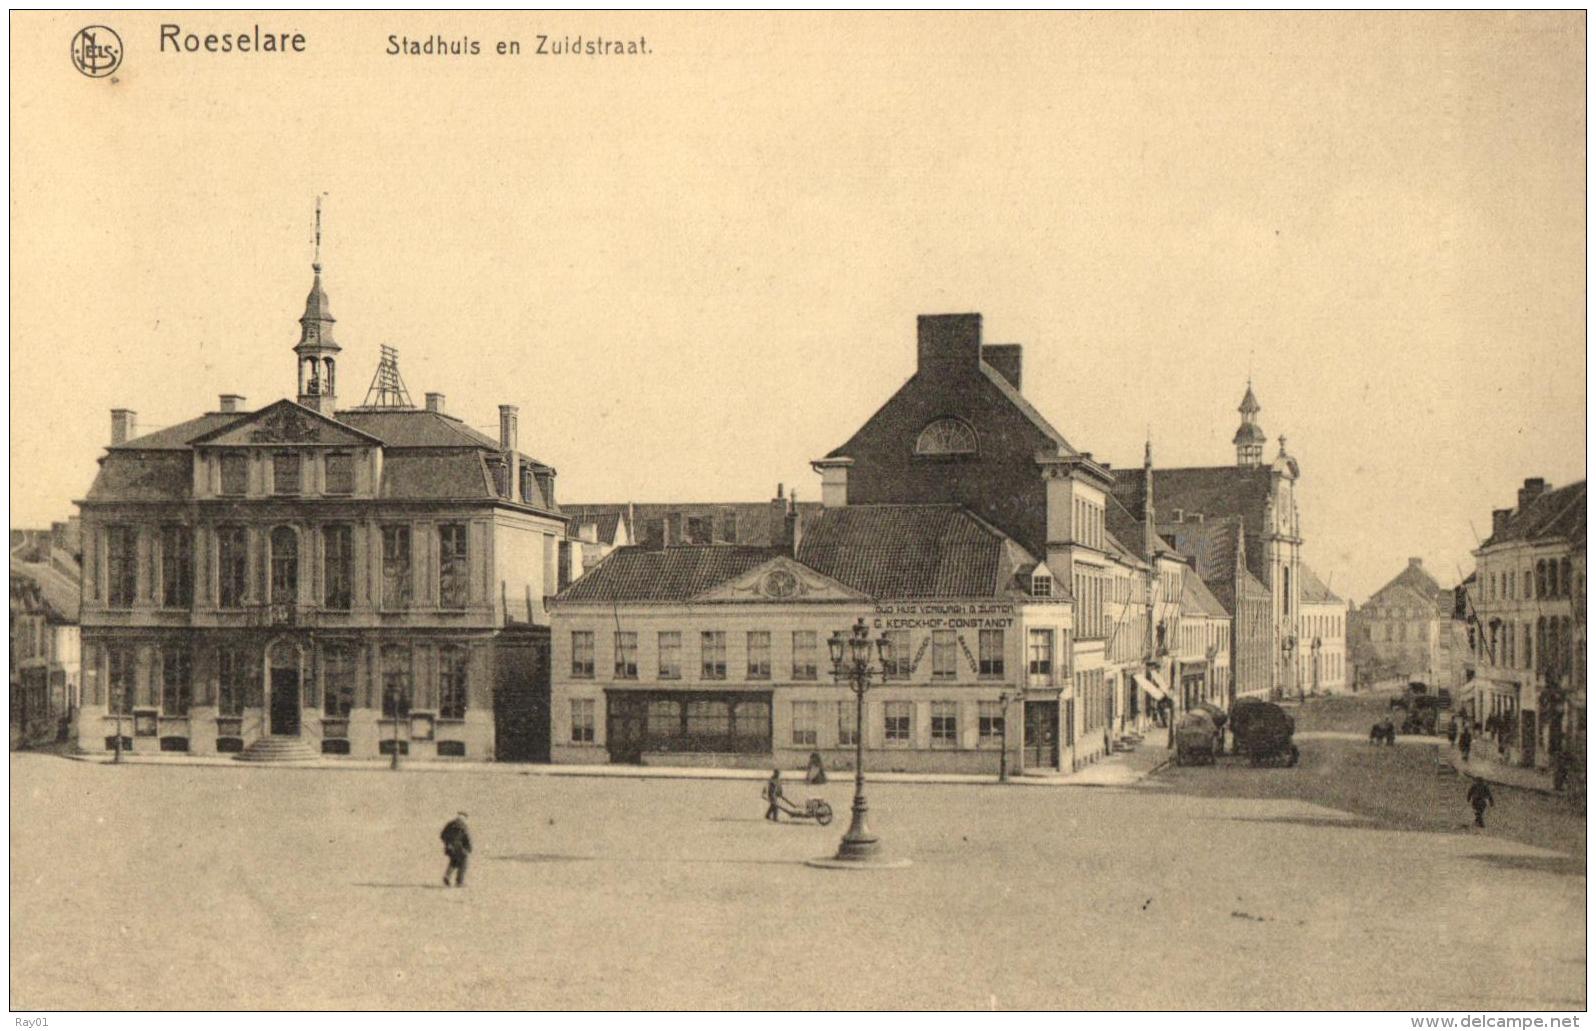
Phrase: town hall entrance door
(285,702)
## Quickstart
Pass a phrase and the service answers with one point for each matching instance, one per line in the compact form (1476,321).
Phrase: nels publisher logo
(97,51)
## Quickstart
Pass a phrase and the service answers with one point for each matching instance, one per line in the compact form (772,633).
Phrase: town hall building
(304,579)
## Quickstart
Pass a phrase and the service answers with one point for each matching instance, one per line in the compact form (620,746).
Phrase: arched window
(946,437)
(285,566)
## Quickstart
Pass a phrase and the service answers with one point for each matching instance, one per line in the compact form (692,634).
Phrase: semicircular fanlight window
(946,437)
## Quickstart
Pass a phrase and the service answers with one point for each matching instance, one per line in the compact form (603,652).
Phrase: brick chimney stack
(509,443)
(124,423)
(435,403)
(792,528)
(231,403)
(1499,518)
(1005,359)
(949,343)
(1532,489)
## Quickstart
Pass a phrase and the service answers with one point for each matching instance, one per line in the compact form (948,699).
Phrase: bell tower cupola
(317,351)
(1249,438)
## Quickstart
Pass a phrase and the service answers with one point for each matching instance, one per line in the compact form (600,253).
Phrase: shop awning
(1158,679)
(1148,686)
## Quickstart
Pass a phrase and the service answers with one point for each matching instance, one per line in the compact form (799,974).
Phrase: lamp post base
(875,862)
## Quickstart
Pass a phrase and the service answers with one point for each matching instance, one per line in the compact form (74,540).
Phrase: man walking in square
(1480,797)
(457,846)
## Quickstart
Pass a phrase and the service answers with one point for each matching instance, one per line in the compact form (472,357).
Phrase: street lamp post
(119,706)
(850,662)
(1289,645)
(393,694)
(1003,738)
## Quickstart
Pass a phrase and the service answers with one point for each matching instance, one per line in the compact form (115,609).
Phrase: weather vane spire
(316,262)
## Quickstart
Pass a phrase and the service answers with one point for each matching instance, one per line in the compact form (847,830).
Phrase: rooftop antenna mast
(387,388)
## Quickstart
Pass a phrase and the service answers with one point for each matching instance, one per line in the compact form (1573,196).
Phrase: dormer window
(946,437)
(1041,586)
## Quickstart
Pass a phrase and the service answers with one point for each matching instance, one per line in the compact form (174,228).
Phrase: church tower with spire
(317,351)
(1249,438)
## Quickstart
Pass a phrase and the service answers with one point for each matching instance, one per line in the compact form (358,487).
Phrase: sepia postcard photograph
(798,512)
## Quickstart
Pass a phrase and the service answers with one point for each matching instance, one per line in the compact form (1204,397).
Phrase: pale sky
(699,269)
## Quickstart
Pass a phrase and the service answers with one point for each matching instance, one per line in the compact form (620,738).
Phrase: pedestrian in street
(1480,797)
(457,846)
(1451,731)
(1464,741)
(772,793)
(817,770)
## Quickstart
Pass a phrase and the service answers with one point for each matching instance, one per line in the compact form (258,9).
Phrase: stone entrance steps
(277,750)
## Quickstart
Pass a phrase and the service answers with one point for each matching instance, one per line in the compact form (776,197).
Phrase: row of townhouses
(1524,608)
(308,579)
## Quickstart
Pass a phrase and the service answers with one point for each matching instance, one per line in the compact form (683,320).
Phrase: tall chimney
(231,402)
(123,423)
(435,404)
(673,528)
(509,442)
(1416,563)
(1005,360)
(793,530)
(778,517)
(1532,489)
(1499,518)
(949,343)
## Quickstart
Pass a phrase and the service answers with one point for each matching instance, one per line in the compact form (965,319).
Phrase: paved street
(1225,888)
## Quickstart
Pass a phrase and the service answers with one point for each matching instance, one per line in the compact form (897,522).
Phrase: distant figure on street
(817,770)
(1560,767)
(1480,797)
(772,794)
(1451,731)
(457,846)
(1465,741)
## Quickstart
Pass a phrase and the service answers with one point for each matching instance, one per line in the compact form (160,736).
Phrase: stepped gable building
(717,653)
(1526,612)
(1405,629)
(1260,500)
(307,579)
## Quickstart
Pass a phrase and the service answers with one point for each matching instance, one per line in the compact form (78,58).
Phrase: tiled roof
(431,477)
(1414,583)
(605,524)
(143,476)
(177,436)
(1124,524)
(1196,597)
(415,427)
(635,573)
(1312,590)
(755,525)
(911,551)
(59,594)
(1557,514)
(1211,543)
(1214,492)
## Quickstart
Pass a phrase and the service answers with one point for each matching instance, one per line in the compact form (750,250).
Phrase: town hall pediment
(286,423)
(782,579)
